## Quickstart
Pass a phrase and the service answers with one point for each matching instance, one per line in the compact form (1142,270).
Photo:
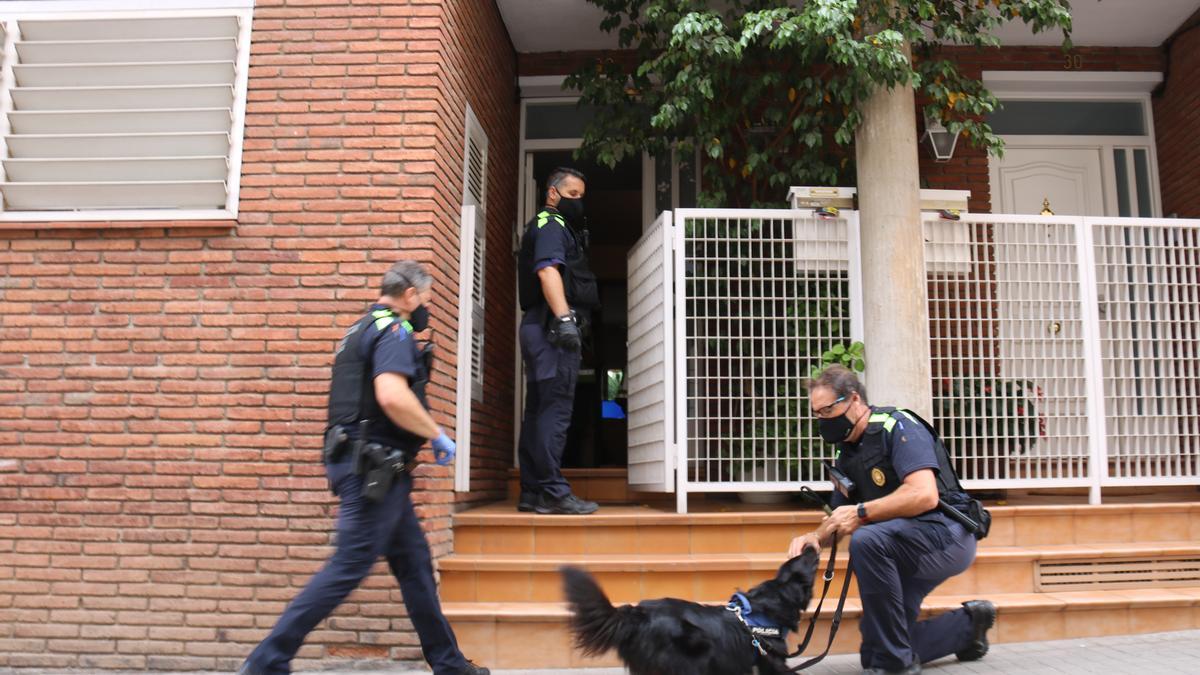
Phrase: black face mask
(571,209)
(419,320)
(835,429)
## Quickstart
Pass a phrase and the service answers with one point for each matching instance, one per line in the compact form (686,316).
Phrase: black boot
(983,617)
(472,669)
(527,502)
(569,505)
(914,669)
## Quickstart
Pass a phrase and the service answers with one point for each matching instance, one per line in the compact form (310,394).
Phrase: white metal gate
(758,296)
(1010,350)
(1064,348)
(1148,288)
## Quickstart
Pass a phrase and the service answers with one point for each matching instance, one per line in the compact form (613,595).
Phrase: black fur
(677,637)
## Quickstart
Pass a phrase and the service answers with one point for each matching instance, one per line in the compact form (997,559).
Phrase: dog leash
(834,623)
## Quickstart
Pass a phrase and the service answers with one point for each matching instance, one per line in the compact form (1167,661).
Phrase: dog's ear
(803,565)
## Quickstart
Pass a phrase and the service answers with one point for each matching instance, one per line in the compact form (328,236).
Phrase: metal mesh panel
(766,293)
(1009,375)
(1147,287)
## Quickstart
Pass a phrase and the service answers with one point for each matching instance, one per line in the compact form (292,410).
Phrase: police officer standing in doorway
(899,495)
(557,291)
(378,420)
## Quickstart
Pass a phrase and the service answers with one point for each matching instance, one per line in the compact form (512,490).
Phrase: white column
(895,307)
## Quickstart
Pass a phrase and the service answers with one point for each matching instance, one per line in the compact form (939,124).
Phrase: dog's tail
(595,623)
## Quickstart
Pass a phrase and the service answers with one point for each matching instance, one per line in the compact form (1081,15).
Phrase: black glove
(564,332)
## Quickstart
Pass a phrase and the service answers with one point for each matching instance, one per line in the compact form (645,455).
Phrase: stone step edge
(649,562)
(1006,603)
(476,518)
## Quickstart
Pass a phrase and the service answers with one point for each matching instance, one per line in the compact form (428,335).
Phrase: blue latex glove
(443,449)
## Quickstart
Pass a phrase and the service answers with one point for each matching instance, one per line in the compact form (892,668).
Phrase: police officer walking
(378,420)
(897,494)
(557,290)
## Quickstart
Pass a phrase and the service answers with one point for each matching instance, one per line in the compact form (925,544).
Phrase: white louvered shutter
(126,113)
(475,189)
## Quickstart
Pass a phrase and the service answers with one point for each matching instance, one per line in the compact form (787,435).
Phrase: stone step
(499,577)
(604,485)
(733,528)
(534,634)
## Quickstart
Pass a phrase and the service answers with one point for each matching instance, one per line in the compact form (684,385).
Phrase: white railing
(1064,349)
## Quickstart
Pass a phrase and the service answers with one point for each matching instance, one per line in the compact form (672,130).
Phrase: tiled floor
(1153,654)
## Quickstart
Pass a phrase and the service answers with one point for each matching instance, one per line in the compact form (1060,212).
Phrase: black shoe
(527,502)
(914,669)
(472,669)
(983,617)
(569,505)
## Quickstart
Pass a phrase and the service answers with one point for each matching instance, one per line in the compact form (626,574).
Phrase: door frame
(1083,86)
(527,206)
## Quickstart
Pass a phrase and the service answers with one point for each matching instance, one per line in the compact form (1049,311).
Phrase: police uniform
(900,561)
(378,343)
(551,372)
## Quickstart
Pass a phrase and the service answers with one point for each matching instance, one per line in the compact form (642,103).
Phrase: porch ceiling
(573,25)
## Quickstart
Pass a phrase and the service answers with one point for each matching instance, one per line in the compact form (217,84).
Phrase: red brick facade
(162,385)
(1177,126)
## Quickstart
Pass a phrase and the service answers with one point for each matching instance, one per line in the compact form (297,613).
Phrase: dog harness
(757,624)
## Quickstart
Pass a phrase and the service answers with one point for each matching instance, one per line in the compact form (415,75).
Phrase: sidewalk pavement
(1150,654)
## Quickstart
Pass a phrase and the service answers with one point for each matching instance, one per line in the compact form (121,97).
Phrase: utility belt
(379,464)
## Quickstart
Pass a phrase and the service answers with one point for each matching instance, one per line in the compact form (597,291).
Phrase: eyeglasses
(825,411)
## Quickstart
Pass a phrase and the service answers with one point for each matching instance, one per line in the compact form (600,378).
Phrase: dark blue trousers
(550,377)
(365,532)
(898,562)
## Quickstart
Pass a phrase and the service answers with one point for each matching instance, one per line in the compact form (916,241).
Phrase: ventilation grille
(1108,574)
(122,113)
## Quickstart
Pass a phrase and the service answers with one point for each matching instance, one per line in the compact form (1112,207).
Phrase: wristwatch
(862,513)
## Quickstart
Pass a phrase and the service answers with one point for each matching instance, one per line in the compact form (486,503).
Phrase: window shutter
(124,113)
(475,194)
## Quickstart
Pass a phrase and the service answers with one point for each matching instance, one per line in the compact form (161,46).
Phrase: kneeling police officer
(378,420)
(913,527)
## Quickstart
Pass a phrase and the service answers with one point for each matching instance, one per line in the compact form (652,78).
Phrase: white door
(1070,180)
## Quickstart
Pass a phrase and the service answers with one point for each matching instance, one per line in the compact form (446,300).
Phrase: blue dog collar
(758,624)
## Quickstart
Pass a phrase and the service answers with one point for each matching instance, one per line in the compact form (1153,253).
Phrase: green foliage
(995,416)
(769,91)
(850,356)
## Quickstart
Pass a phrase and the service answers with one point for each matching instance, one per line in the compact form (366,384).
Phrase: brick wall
(1177,127)
(481,69)
(968,170)
(162,385)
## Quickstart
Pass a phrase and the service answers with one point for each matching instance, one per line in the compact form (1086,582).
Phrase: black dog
(677,637)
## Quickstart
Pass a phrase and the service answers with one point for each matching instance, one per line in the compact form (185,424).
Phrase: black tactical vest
(352,391)
(579,283)
(869,464)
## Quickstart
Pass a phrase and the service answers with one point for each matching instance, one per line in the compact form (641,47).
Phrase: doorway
(613,207)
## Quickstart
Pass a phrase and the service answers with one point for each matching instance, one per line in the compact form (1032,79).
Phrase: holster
(335,444)
(980,515)
(380,464)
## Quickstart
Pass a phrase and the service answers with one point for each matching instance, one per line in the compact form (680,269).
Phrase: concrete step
(497,577)
(534,635)
(733,528)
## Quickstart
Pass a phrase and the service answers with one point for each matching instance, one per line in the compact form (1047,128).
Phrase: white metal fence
(1064,349)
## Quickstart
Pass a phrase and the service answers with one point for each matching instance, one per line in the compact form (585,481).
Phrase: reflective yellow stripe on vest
(545,216)
(888,420)
(383,318)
